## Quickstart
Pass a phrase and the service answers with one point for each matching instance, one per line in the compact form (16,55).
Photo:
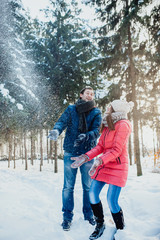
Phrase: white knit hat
(122,106)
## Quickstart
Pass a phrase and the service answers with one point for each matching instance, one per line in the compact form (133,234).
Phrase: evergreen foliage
(44,65)
(66,49)
(127,57)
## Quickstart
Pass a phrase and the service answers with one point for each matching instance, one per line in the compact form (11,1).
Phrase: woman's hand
(96,164)
(79,160)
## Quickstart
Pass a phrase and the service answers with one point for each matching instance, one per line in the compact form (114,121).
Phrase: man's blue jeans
(68,188)
(112,195)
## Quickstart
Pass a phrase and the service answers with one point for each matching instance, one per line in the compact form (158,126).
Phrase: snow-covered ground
(30,205)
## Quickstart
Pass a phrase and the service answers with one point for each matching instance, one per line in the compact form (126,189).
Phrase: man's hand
(79,160)
(96,164)
(53,134)
(81,138)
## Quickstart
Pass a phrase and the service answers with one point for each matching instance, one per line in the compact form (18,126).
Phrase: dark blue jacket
(69,120)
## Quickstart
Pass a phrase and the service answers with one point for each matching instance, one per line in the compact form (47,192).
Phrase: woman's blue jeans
(68,188)
(112,195)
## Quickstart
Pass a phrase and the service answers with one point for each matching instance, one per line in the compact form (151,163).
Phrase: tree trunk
(133,78)
(25,152)
(1,149)
(22,146)
(130,150)
(22,152)
(154,148)
(41,149)
(14,152)
(10,148)
(136,143)
(51,151)
(130,142)
(158,141)
(32,146)
(142,143)
(55,157)
(47,146)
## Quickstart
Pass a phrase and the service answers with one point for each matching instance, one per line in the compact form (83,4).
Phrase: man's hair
(87,87)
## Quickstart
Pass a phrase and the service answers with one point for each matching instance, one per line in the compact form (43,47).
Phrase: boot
(66,224)
(118,219)
(99,217)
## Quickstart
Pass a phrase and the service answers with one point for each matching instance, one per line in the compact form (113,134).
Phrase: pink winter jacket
(113,145)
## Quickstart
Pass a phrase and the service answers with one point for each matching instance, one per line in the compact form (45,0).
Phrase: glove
(96,164)
(81,138)
(53,134)
(79,160)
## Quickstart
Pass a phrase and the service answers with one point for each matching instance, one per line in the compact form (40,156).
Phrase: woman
(111,167)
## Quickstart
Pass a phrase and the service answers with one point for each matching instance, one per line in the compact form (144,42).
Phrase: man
(82,123)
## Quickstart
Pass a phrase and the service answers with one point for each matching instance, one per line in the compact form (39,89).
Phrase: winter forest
(44,63)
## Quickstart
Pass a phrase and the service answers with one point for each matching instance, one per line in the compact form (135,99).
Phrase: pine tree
(67,47)
(153,23)
(123,51)
(21,106)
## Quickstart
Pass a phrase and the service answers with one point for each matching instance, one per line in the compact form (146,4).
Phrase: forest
(44,65)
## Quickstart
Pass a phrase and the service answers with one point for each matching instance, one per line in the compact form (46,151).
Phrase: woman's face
(109,109)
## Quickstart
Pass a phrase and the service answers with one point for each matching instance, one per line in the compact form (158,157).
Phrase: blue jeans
(112,195)
(68,188)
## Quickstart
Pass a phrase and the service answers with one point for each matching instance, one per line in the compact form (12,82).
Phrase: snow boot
(66,224)
(99,217)
(98,231)
(118,219)
(92,221)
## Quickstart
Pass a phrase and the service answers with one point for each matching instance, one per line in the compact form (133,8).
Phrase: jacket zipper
(119,160)
(98,172)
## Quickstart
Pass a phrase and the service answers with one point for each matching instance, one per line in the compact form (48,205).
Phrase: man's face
(88,95)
